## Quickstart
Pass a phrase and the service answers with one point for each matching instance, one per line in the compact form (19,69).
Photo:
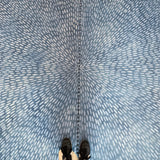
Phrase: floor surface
(116,43)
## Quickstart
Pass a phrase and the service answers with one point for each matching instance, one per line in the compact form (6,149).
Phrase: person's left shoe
(66,152)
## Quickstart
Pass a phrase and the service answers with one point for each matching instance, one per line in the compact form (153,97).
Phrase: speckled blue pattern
(119,78)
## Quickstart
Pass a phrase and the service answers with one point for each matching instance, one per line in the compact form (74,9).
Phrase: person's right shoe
(84,153)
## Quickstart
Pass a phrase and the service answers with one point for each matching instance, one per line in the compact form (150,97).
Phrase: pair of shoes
(66,152)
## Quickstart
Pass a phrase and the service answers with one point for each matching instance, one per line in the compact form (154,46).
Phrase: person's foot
(84,153)
(66,152)
(66,149)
